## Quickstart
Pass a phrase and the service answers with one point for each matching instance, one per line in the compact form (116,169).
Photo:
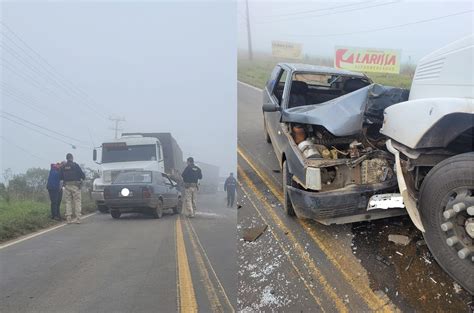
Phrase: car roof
(301,67)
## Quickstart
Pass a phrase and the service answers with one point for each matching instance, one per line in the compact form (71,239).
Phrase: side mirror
(94,155)
(270,107)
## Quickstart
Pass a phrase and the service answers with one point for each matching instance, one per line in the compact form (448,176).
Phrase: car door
(169,192)
(276,93)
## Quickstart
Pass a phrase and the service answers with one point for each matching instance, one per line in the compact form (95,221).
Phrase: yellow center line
(216,305)
(341,307)
(222,290)
(374,301)
(187,297)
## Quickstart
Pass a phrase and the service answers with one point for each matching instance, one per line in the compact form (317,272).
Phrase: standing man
(55,191)
(230,185)
(191,175)
(72,176)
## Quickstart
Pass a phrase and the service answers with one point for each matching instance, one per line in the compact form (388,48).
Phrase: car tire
(102,208)
(267,136)
(158,211)
(115,213)
(178,208)
(449,182)
(287,181)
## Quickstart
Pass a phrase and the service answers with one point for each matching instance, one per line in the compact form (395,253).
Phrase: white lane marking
(250,86)
(41,232)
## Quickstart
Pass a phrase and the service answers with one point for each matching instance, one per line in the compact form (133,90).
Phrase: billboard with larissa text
(367,60)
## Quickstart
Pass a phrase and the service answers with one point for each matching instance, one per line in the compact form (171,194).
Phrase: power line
(19,100)
(67,85)
(384,28)
(37,131)
(23,149)
(317,10)
(330,13)
(44,128)
(36,83)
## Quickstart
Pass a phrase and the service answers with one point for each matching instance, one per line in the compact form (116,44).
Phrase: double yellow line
(186,295)
(377,303)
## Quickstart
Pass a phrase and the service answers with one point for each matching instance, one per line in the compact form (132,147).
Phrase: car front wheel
(115,213)
(287,181)
(178,208)
(158,211)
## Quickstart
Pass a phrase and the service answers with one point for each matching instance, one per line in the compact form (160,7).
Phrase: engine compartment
(361,159)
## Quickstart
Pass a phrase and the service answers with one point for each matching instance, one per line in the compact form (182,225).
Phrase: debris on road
(399,239)
(251,234)
(383,260)
(457,287)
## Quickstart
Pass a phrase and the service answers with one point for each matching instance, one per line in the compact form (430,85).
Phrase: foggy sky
(164,66)
(281,20)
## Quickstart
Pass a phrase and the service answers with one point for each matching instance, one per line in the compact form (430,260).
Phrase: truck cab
(127,153)
(432,137)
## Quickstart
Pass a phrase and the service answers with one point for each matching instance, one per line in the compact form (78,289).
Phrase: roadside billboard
(287,50)
(367,60)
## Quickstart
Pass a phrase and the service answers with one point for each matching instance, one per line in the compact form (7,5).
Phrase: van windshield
(125,153)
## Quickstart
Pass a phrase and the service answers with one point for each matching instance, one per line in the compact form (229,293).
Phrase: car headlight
(313,178)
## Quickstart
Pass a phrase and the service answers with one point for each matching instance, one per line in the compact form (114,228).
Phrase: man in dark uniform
(191,175)
(72,176)
(230,185)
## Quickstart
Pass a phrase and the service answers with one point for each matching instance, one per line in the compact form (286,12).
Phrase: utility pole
(116,128)
(249,36)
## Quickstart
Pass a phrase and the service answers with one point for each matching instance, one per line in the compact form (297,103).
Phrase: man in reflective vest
(72,176)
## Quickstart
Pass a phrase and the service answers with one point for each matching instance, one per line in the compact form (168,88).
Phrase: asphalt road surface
(133,264)
(302,266)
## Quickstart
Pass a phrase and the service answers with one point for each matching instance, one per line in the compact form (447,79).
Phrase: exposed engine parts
(364,163)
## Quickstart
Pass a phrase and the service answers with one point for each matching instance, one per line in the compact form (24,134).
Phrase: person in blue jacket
(55,190)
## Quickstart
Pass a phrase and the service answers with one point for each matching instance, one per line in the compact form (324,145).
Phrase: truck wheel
(267,136)
(158,211)
(115,213)
(102,208)
(287,181)
(177,209)
(447,209)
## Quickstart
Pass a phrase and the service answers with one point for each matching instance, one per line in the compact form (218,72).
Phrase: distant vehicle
(432,138)
(324,126)
(136,151)
(210,177)
(148,192)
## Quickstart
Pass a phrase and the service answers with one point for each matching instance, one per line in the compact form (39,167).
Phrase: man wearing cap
(191,175)
(230,185)
(72,176)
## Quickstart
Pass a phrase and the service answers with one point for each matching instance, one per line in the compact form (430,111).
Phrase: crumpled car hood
(345,116)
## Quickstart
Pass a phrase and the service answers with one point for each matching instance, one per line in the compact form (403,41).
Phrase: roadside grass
(21,217)
(257,71)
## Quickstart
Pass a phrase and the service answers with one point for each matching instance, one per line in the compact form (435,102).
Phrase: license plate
(385,201)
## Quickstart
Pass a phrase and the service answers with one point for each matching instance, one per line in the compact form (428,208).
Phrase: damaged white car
(324,126)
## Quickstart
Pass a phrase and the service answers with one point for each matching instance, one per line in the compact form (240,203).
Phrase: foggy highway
(301,265)
(133,264)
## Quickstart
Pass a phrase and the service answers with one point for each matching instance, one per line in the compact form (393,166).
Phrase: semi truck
(432,136)
(136,151)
